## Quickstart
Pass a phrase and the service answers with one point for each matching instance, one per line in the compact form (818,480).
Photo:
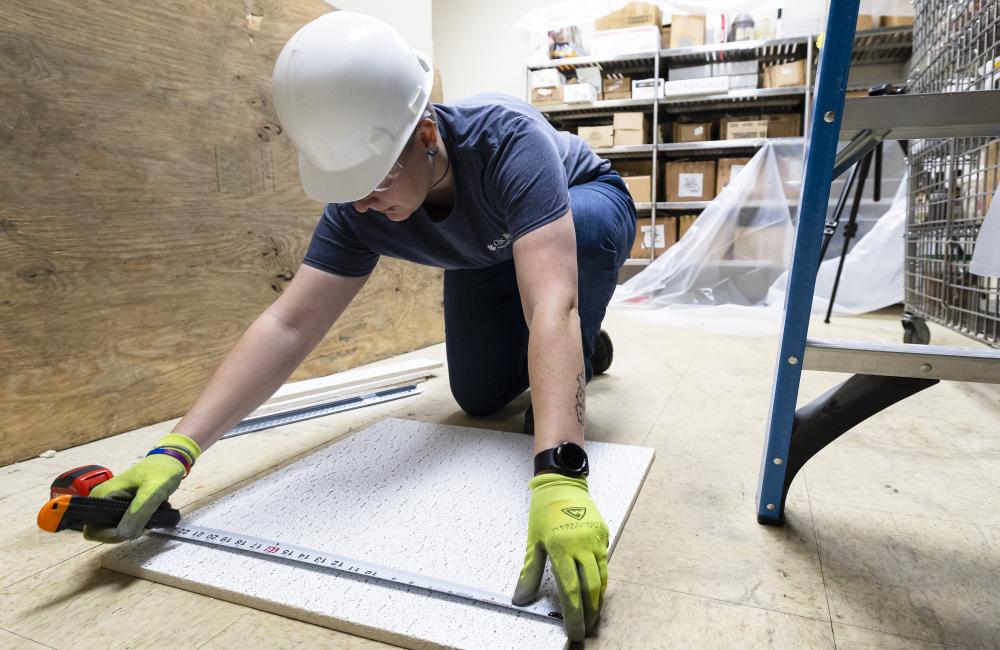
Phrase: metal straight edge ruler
(317,558)
(319,410)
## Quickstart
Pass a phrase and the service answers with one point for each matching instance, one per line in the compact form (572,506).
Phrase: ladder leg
(834,65)
(837,411)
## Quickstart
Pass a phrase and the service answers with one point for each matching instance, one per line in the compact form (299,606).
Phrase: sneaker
(604,352)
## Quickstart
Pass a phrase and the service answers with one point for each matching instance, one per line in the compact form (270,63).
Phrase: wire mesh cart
(956,48)
(882,374)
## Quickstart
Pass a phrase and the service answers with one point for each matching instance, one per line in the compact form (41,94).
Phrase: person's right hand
(147,484)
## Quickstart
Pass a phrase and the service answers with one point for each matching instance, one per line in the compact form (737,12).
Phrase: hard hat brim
(354,184)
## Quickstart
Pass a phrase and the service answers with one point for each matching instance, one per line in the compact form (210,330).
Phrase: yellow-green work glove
(565,526)
(147,484)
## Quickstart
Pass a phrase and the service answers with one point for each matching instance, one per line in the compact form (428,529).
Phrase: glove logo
(575,513)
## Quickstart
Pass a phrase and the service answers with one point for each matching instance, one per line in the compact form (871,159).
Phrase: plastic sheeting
(535,25)
(737,248)
(737,252)
(986,255)
(873,270)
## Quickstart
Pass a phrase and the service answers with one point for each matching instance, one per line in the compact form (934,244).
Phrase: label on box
(748,129)
(647,236)
(690,185)
(647,88)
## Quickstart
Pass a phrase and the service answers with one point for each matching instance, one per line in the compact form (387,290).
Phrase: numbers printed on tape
(277,549)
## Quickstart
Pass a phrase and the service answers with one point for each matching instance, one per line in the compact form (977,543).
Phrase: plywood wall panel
(149,209)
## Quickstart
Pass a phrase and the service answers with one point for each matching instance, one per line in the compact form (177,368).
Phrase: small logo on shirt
(499,242)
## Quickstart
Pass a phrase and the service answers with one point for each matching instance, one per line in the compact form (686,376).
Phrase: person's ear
(428,135)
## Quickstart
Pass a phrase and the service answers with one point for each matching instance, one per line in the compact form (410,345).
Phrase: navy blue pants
(486,335)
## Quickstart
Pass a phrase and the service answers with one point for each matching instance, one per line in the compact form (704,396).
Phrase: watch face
(572,457)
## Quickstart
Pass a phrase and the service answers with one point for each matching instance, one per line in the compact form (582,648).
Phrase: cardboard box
(690,72)
(629,120)
(647,88)
(692,131)
(734,67)
(687,31)
(865,21)
(706,86)
(686,221)
(737,130)
(634,14)
(764,243)
(548,95)
(856,93)
(784,125)
(625,41)
(626,137)
(743,81)
(640,188)
(660,238)
(896,21)
(690,181)
(785,75)
(665,37)
(597,136)
(617,88)
(727,169)
(546,77)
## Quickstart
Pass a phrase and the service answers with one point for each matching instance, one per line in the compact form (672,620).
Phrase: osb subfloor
(892,541)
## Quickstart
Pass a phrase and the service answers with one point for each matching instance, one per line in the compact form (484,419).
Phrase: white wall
(476,49)
(411,18)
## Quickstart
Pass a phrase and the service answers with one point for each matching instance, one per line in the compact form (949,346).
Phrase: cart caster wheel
(915,330)
(770,521)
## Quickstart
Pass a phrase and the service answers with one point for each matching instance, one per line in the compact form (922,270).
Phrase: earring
(432,151)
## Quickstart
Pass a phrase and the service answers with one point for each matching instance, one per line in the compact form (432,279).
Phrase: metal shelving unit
(871,47)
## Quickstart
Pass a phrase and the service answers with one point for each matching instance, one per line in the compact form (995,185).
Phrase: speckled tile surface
(444,501)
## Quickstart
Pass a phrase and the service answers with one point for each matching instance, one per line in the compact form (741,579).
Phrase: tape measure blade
(317,558)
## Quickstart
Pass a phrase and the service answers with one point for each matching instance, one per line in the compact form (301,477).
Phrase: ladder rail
(831,85)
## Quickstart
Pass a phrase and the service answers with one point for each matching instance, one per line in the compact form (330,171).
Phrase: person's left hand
(565,526)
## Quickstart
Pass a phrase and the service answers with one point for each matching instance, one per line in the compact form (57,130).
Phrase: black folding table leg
(837,411)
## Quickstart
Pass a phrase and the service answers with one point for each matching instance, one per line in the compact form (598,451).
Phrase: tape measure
(312,557)
(319,410)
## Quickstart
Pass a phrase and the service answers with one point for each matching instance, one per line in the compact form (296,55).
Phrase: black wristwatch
(568,459)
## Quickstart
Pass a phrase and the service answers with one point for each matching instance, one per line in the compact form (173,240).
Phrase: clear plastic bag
(737,248)
(873,269)
(986,255)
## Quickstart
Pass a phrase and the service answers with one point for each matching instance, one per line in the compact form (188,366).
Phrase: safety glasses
(397,167)
(390,178)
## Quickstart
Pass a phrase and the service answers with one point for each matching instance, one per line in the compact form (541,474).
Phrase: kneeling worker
(530,226)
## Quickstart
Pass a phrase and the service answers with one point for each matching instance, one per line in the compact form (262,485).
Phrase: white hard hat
(349,92)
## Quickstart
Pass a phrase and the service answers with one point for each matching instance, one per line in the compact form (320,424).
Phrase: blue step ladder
(883,374)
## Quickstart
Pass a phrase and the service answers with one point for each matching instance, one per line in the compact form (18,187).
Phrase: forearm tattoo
(581,395)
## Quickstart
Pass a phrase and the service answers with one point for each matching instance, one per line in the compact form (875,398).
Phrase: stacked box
(630,128)
(690,181)
(598,136)
(662,237)
(692,131)
(727,169)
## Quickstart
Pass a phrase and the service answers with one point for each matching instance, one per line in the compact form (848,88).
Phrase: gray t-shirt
(512,174)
